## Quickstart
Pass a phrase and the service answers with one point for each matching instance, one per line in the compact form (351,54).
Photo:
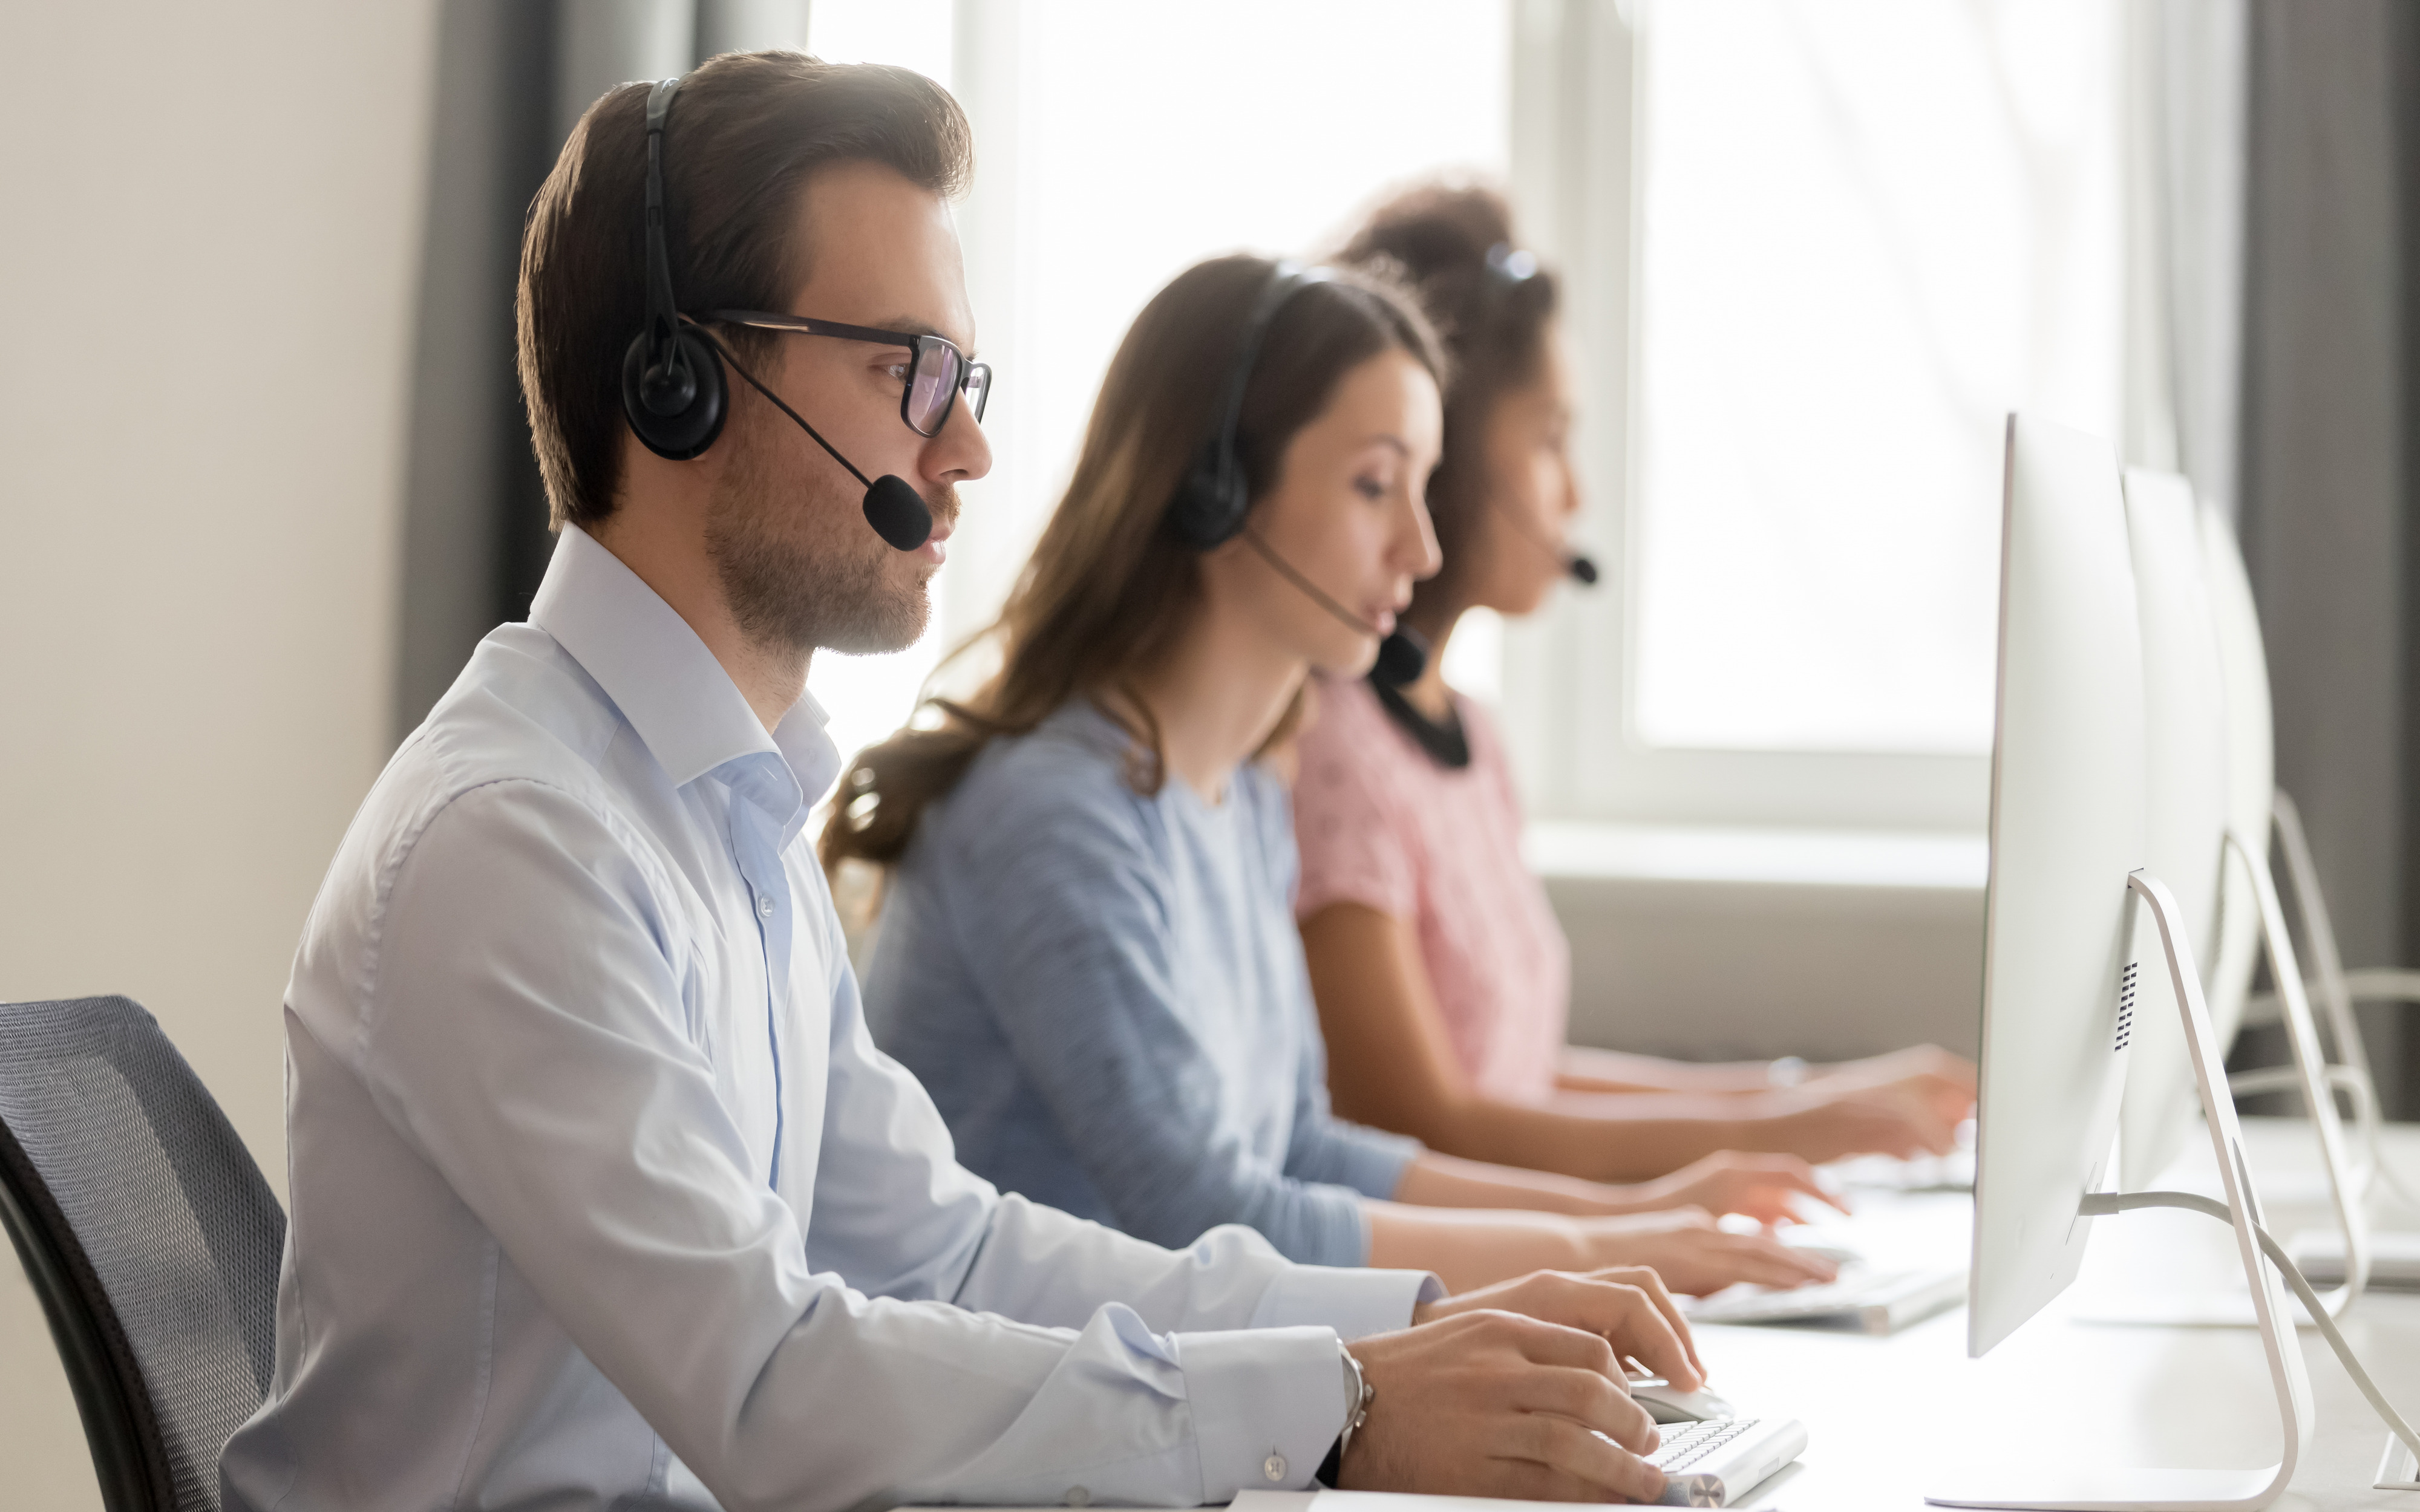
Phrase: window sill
(1583,851)
(1718,943)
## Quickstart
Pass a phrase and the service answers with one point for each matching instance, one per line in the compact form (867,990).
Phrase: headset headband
(663,314)
(1290,278)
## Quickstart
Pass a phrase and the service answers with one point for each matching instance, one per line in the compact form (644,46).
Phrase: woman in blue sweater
(1087,950)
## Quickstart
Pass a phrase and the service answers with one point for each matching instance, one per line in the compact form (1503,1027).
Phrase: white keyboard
(1871,1302)
(1953,1172)
(1715,1462)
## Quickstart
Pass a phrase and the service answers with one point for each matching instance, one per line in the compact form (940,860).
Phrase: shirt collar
(677,699)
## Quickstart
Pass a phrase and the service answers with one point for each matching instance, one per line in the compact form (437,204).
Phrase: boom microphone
(1403,655)
(892,506)
(1579,567)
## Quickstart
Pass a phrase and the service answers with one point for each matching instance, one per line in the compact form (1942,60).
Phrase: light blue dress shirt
(602,1196)
(1105,993)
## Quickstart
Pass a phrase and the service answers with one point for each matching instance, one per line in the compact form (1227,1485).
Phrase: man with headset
(601,1196)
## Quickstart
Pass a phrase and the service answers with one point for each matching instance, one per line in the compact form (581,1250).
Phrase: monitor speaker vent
(2126,1006)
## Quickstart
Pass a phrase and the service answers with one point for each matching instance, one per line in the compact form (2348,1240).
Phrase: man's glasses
(937,370)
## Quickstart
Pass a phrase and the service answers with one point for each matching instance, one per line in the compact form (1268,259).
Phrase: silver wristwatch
(1358,1394)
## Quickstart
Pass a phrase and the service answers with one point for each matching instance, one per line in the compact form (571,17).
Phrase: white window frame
(1569,670)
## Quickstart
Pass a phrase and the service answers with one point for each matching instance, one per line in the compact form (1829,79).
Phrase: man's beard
(798,565)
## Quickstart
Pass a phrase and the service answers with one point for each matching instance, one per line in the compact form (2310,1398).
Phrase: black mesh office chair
(150,1237)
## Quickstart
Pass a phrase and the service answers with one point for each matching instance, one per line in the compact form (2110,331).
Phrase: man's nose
(962,453)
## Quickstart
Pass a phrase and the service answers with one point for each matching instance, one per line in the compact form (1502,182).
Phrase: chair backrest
(150,1237)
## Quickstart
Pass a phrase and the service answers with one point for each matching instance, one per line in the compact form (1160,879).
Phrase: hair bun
(1434,232)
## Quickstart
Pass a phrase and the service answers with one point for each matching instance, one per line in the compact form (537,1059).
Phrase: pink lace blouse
(1381,824)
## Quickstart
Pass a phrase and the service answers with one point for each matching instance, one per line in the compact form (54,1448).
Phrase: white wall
(211,239)
(1740,943)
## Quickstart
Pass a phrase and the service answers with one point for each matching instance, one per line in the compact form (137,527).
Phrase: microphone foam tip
(898,513)
(1402,657)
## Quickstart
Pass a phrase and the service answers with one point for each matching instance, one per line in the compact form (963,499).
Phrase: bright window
(869,697)
(1865,230)
(1117,144)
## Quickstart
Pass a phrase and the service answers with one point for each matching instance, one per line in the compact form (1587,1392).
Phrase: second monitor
(2063,981)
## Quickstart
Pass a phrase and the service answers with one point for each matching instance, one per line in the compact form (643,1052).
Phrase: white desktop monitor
(2251,768)
(2185,815)
(2066,829)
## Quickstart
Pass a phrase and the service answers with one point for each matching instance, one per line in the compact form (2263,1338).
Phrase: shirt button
(1077,1496)
(1274,1466)
(764,907)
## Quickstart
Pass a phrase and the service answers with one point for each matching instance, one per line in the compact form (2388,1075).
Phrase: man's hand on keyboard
(1626,1306)
(1491,1403)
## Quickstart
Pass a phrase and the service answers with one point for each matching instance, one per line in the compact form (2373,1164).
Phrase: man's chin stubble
(841,591)
(786,597)
(892,619)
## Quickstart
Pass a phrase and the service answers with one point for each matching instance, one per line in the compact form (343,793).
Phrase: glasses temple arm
(742,371)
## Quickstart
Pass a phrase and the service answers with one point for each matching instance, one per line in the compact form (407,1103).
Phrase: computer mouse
(1665,1403)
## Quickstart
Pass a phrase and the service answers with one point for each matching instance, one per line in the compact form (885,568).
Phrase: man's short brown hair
(744,133)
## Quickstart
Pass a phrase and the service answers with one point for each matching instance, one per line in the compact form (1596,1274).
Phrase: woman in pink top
(1442,979)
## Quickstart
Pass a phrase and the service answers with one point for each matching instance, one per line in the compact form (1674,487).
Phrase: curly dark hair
(1492,304)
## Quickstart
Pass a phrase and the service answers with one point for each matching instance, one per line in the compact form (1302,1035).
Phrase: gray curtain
(2326,463)
(513,77)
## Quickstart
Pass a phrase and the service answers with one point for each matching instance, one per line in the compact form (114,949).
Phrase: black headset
(1212,500)
(673,388)
(1213,495)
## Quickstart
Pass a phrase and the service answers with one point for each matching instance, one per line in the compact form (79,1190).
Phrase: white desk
(1885,1415)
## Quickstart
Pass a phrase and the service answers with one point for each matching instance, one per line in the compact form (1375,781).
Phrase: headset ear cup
(1210,503)
(686,431)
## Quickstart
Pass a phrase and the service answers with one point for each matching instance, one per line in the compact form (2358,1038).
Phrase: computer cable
(2379,1164)
(2401,1434)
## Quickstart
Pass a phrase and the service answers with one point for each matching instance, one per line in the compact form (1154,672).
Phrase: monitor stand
(2315,1080)
(2052,1489)
(2351,1075)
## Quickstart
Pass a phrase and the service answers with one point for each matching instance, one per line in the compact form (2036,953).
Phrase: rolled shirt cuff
(1355,1302)
(1266,1404)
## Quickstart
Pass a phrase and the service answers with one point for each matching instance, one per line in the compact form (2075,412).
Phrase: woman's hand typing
(1693,1256)
(1766,1188)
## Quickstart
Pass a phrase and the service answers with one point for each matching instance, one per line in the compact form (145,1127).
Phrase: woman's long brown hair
(1110,588)
(1439,238)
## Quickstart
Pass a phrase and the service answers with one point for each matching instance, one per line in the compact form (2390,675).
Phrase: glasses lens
(978,388)
(931,386)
